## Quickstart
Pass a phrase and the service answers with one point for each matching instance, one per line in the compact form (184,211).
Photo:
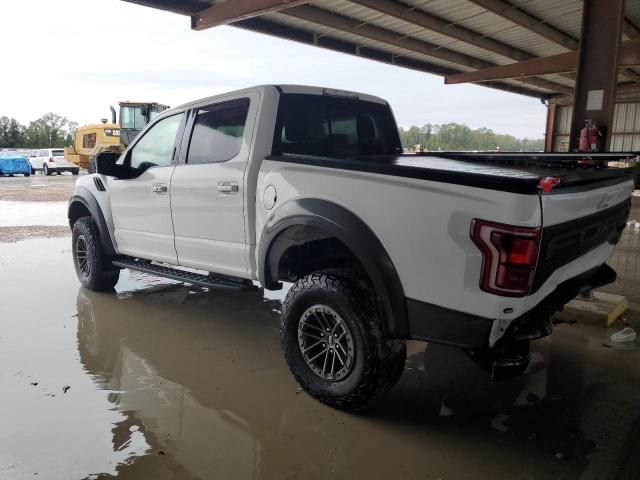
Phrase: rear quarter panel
(423,225)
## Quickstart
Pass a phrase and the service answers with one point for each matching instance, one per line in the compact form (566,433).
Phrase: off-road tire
(378,361)
(100,275)
(45,170)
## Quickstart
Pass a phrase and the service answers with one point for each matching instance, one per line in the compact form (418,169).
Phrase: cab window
(89,140)
(331,126)
(217,132)
(155,149)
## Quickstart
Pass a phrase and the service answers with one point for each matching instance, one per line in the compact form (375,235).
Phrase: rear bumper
(536,323)
(440,325)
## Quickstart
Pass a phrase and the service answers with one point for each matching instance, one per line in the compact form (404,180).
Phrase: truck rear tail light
(509,256)
(50,159)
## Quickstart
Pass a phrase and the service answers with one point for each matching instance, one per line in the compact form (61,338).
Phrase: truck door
(207,190)
(141,206)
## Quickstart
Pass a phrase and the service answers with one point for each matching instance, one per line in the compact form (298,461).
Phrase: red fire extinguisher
(589,138)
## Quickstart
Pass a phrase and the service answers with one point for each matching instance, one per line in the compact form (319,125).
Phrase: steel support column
(551,127)
(597,72)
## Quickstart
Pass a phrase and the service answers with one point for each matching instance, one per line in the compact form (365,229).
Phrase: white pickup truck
(309,186)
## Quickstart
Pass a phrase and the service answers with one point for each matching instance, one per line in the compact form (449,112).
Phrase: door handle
(159,188)
(228,188)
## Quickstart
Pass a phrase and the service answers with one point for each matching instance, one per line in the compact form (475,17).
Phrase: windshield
(332,126)
(132,117)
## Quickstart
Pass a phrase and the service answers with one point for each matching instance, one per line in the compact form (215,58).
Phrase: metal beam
(629,55)
(355,27)
(551,127)
(562,63)
(597,78)
(231,11)
(631,75)
(524,19)
(372,32)
(330,42)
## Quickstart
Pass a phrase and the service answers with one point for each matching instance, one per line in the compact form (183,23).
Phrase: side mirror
(106,165)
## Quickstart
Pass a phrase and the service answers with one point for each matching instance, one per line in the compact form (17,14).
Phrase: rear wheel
(28,174)
(333,343)
(45,170)
(75,172)
(92,265)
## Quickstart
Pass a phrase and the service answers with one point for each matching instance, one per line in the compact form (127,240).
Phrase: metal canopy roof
(442,37)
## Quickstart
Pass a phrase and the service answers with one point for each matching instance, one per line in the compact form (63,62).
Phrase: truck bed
(511,172)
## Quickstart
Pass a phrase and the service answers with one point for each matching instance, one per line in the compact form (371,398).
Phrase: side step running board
(209,281)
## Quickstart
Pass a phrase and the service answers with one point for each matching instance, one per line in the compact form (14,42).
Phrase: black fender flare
(336,221)
(84,197)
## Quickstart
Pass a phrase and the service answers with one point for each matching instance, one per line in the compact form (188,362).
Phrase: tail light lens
(50,159)
(509,256)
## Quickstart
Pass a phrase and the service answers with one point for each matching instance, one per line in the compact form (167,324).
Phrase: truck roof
(287,88)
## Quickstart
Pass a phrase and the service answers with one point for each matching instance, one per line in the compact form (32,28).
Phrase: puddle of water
(171,381)
(32,213)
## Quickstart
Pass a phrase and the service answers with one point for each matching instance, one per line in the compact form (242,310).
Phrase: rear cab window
(57,153)
(332,126)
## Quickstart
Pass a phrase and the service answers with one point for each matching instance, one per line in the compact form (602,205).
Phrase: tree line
(50,130)
(53,130)
(456,136)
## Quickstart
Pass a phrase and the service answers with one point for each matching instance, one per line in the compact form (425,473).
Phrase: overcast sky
(76,57)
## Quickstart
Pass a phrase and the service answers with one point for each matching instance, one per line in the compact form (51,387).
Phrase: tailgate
(581,225)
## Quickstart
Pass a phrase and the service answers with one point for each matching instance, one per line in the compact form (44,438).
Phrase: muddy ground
(22,198)
(163,380)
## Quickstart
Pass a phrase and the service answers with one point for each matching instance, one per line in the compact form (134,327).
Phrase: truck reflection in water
(200,375)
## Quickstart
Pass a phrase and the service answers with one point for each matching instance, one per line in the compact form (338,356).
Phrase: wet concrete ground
(34,206)
(166,381)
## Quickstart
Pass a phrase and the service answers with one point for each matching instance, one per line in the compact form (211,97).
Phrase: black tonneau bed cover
(505,171)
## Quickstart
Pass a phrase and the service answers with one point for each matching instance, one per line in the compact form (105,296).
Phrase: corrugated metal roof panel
(453,10)
(365,42)
(362,41)
(469,15)
(373,17)
(558,79)
(564,15)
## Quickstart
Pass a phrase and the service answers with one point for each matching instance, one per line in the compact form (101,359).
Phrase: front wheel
(333,342)
(92,265)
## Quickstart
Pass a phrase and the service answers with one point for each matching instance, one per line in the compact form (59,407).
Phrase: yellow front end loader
(90,140)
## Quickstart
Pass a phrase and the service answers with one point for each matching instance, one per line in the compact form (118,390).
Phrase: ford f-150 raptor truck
(309,186)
